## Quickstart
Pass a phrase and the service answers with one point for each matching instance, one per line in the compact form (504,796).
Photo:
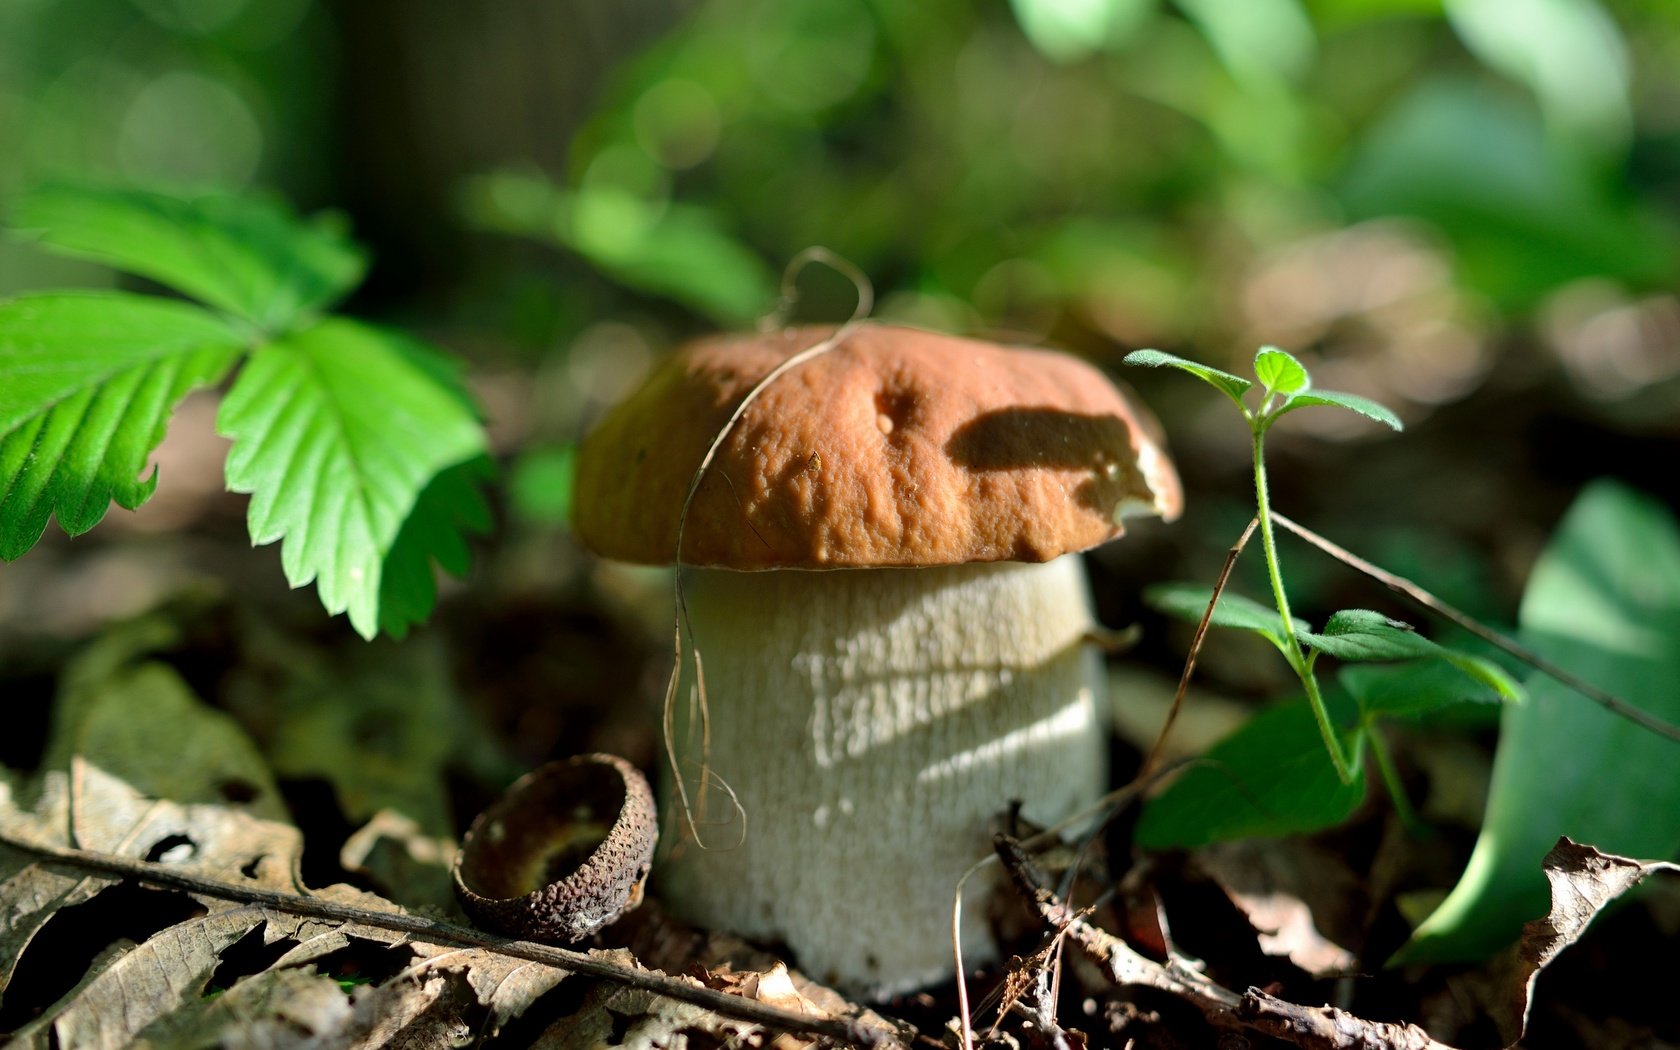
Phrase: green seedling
(1422,675)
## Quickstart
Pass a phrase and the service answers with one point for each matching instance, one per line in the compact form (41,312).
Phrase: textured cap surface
(896,447)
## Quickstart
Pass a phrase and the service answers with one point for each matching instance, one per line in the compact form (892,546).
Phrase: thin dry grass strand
(681,625)
(1154,756)
(1427,601)
(964,1017)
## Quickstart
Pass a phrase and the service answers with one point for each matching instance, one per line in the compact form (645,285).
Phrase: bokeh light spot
(677,122)
(190,127)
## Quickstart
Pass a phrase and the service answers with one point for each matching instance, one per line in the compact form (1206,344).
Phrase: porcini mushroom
(872,718)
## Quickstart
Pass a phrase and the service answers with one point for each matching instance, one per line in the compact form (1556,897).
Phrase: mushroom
(872,718)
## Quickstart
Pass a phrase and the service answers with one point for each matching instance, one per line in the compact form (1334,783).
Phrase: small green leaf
(90,380)
(1412,688)
(248,256)
(1188,601)
(1279,372)
(1360,635)
(449,508)
(1352,402)
(338,429)
(1233,387)
(1603,602)
(1271,777)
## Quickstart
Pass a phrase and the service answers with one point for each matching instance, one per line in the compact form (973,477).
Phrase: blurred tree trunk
(433,91)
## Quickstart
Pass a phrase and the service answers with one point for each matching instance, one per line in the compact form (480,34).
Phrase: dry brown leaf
(1583,881)
(1299,897)
(646,1021)
(131,990)
(145,771)
(276,1010)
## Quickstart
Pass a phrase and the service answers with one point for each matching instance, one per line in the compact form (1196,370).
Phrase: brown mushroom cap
(897,447)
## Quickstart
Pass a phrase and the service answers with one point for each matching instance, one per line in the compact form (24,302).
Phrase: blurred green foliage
(1109,168)
(1101,171)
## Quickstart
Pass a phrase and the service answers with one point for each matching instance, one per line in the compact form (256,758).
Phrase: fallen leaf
(137,767)
(281,1009)
(129,991)
(646,1021)
(1299,897)
(776,989)
(1583,882)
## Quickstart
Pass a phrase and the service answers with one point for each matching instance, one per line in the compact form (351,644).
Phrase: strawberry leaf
(251,257)
(451,506)
(90,379)
(338,429)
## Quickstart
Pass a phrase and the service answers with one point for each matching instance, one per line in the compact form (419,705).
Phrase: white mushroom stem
(872,723)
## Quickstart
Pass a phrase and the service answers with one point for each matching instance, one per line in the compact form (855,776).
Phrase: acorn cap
(897,447)
(563,853)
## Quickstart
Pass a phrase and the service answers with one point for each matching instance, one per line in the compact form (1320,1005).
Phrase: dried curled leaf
(1584,881)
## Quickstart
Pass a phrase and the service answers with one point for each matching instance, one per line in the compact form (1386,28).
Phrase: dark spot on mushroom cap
(545,863)
(1100,447)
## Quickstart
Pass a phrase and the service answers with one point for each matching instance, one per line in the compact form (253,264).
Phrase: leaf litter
(140,771)
(236,974)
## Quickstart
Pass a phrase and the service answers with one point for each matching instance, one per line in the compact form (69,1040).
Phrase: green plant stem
(1409,818)
(1297,658)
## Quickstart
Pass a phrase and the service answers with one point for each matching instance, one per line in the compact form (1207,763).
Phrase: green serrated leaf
(1280,372)
(250,256)
(1603,602)
(449,508)
(1412,688)
(1233,387)
(338,429)
(1352,402)
(1188,601)
(1360,634)
(1271,777)
(90,379)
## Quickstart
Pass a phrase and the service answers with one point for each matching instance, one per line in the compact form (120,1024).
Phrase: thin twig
(575,962)
(1423,598)
(1154,756)
(1118,961)
(1113,802)
(1315,1028)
